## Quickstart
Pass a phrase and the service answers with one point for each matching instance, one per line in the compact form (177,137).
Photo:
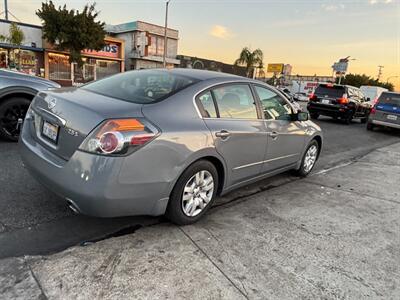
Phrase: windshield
(335,91)
(390,98)
(144,86)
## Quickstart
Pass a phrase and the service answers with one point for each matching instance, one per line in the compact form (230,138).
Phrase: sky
(308,34)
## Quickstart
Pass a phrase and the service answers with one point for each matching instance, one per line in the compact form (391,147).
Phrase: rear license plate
(50,131)
(392,117)
(324,101)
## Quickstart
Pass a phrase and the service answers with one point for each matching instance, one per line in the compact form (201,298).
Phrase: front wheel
(12,115)
(193,194)
(314,116)
(309,159)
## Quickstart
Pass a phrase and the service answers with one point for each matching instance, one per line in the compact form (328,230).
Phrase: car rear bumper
(328,110)
(92,183)
(387,124)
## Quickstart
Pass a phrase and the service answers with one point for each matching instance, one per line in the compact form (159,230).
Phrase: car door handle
(274,134)
(223,134)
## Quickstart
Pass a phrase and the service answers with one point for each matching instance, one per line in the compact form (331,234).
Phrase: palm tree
(250,60)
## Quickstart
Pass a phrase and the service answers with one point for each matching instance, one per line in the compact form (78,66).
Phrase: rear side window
(207,104)
(390,98)
(145,86)
(235,101)
(334,91)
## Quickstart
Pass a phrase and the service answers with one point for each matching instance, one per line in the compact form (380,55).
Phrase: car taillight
(119,136)
(373,110)
(312,97)
(343,100)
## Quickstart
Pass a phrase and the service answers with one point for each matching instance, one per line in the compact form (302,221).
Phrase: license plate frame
(325,101)
(50,131)
(391,117)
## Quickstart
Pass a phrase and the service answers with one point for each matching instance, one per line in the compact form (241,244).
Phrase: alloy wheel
(12,118)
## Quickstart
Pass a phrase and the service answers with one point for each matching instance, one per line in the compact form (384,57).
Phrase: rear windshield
(144,86)
(335,91)
(390,98)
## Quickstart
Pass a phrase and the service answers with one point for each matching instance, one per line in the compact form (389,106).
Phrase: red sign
(109,50)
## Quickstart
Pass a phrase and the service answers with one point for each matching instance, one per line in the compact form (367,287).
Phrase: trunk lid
(63,118)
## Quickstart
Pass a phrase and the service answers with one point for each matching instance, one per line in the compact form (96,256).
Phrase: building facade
(96,64)
(28,57)
(144,44)
(211,65)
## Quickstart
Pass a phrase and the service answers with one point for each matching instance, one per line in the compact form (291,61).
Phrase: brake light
(312,97)
(343,100)
(119,136)
(373,110)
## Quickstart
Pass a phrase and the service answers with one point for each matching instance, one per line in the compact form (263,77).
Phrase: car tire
(364,120)
(305,168)
(370,126)
(348,119)
(12,112)
(179,210)
(314,116)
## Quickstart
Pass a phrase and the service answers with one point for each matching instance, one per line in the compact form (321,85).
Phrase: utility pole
(380,72)
(5,9)
(165,34)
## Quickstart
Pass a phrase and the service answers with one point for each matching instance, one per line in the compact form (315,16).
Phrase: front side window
(235,101)
(274,106)
(145,86)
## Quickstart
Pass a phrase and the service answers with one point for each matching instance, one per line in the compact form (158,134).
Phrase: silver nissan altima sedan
(154,142)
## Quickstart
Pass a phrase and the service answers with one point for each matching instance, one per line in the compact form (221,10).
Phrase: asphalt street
(34,221)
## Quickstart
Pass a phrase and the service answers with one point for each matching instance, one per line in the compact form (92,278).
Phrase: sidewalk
(335,234)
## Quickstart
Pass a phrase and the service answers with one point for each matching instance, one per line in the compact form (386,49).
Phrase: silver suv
(385,112)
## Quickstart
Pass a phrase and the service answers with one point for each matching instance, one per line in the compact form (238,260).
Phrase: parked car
(386,111)
(300,97)
(115,147)
(372,93)
(16,93)
(338,101)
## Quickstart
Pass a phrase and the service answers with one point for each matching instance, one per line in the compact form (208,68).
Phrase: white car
(372,93)
(300,97)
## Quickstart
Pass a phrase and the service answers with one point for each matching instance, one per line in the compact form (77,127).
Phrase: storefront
(97,64)
(27,57)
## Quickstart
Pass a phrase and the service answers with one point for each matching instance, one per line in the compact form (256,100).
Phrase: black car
(16,93)
(338,101)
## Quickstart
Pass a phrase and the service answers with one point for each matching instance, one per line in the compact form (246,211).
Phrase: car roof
(202,74)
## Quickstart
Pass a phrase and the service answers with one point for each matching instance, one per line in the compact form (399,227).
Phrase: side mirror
(302,116)
(368,99)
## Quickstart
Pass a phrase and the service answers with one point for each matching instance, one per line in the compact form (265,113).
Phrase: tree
(358,80)
(71,30)
(250,60)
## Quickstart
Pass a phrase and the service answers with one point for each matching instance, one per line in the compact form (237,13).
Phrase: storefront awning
(10,46)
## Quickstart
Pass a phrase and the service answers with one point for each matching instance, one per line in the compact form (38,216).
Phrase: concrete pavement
(335,234)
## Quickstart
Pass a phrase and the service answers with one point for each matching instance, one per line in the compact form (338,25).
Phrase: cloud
(221,32)
(333,7)
(373,2)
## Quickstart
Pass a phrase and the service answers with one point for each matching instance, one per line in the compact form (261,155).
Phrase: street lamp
(165,34)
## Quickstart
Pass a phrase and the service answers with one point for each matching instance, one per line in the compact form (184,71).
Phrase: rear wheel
(12,115)
(193,194)
(309,159)
(370,126)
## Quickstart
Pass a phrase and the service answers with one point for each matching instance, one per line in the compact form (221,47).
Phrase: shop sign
(275,68)
(109,50)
